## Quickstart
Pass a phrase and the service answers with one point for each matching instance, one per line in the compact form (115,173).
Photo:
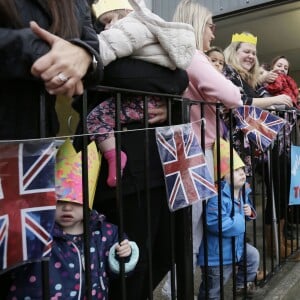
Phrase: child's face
(239,177)
(263,72)
(217,60)
(281,66)
(111,17)
(69,216)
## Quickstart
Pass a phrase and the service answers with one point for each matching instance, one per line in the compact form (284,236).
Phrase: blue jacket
(66,266)
(232,226)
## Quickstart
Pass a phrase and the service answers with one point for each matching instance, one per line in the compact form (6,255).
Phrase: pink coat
(209,85)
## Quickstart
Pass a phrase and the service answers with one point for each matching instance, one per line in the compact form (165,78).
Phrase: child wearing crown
(235,210)
(67,263)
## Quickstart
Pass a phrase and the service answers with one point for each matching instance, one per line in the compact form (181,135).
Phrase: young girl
(142,35)
(216,56)
(67,264)
(264,74)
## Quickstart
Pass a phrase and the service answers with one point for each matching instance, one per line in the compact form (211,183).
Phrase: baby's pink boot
(110,156)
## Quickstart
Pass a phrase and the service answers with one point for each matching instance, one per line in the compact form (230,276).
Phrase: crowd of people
(59,48)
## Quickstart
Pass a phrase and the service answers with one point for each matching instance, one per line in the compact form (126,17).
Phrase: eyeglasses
(212,27)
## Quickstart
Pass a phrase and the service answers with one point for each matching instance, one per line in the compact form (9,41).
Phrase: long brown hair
(64,20)
(275,59)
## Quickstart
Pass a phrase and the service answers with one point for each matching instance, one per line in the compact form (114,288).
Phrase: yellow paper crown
(68,173)
(244,38)
(225,159)
(103,6)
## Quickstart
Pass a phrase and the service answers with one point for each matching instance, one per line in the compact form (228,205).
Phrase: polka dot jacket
(66,266)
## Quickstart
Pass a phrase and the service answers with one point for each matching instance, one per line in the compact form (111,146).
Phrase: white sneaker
(166,290)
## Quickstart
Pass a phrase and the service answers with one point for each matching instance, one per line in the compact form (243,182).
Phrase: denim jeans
(214,274)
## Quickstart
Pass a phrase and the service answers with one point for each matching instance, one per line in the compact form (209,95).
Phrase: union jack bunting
(186,173)
(27,201)
(259,126)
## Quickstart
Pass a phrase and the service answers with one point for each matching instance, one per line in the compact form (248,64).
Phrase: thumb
(42,33)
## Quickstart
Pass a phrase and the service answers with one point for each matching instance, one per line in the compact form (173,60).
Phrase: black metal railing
(270,173)
(262,193)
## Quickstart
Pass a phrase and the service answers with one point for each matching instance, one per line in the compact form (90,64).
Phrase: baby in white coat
(133,30)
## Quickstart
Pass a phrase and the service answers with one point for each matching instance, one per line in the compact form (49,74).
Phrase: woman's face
(208,35)
(281,66)
(246,55)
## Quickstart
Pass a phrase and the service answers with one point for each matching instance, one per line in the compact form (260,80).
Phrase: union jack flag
(27,201)
(186,173)
(259,126)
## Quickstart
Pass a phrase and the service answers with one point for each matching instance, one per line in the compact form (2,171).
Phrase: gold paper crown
(68,173)
(244,38)
(103,6)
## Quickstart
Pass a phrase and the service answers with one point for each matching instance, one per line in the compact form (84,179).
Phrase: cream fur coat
(144,35)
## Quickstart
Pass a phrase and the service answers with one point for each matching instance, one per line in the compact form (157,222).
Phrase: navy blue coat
(66,265)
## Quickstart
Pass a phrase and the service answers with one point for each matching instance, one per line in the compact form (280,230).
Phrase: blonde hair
(230,53)
(193,13)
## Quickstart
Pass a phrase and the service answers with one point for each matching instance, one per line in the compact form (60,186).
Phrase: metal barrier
(269,174)
(179,249)
(272,255)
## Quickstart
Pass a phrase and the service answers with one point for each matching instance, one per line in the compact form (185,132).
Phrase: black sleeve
(19,48)
(89,41)
(130,73)
(135,74)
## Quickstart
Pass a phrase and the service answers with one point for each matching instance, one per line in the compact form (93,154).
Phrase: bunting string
(63,137)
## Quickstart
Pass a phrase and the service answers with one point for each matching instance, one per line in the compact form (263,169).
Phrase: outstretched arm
(275,100)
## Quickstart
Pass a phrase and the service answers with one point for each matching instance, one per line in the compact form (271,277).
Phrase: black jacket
(135,74)
(20,92)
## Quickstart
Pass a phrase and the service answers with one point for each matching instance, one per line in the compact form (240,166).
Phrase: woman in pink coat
(205,84)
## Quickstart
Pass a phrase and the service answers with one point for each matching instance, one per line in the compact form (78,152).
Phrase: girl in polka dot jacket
(67,265)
